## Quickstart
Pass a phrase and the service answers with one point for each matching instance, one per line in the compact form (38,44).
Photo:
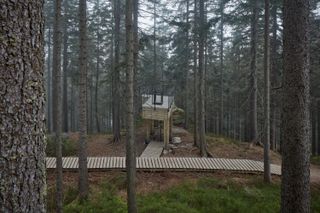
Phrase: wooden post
(152,126)
(170,128)
(166,133)
(149,129)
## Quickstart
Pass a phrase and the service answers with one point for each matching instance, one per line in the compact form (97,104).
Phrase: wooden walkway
(153,150)
(168,164)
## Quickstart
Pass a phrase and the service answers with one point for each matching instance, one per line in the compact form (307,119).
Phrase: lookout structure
(158,108)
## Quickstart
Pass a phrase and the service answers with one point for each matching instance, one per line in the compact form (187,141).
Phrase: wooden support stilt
(170,128)
(152,126)
(149,129)
(166,133)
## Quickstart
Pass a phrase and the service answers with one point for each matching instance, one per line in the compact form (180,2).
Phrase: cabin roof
(148,101)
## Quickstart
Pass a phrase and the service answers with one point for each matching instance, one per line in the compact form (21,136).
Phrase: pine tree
(267,174)
(130,151)
(116,74)
(83,170)
(22,125)
(202,133)
(57,101)
(295,129)
(253,73)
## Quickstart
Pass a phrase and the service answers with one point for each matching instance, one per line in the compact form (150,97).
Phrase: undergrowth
(204,196)
(315,160)
(68,147)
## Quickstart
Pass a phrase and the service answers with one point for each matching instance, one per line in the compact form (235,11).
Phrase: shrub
(68,147)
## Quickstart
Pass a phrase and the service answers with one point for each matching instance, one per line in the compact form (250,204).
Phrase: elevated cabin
(158,108)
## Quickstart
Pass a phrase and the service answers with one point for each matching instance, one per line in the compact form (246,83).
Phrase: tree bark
(131,152)
(49,87)
(295,187)
(318,129)
(83,170)
(202,132)
(274,75)
(96,94)
(253,72)
(57,101)
(186,120)
(221,121)
(267,174)
(195,73)
(65,111)
(137,103)
(116,75)
(22,111)
(155,73)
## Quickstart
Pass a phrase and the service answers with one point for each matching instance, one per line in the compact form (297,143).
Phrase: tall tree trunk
(131,152)
(295,187)
(96,95)
(202,131)
(65,111)
(221,121)
(195,72)
(155,74)
(318,129)
(137,103)
(274,74)
(90,98)
(253,72)
(72,111)
(116,75)
(49,87)
(83,170)
(267,174)
(316,133)
(22,125)
(186,105)
(57,101)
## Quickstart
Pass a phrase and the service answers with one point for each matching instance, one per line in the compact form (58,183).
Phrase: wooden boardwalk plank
(153,150)
(195,162)
(252,167)
(212,163)
(203,163)
(242,165)
(193,165)
(187,163)
(245,166)
(175,164)
(138,163)
(230,163)
(219,163)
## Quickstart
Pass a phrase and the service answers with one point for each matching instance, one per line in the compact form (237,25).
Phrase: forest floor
(175,192)
(220,147)
(151,185)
